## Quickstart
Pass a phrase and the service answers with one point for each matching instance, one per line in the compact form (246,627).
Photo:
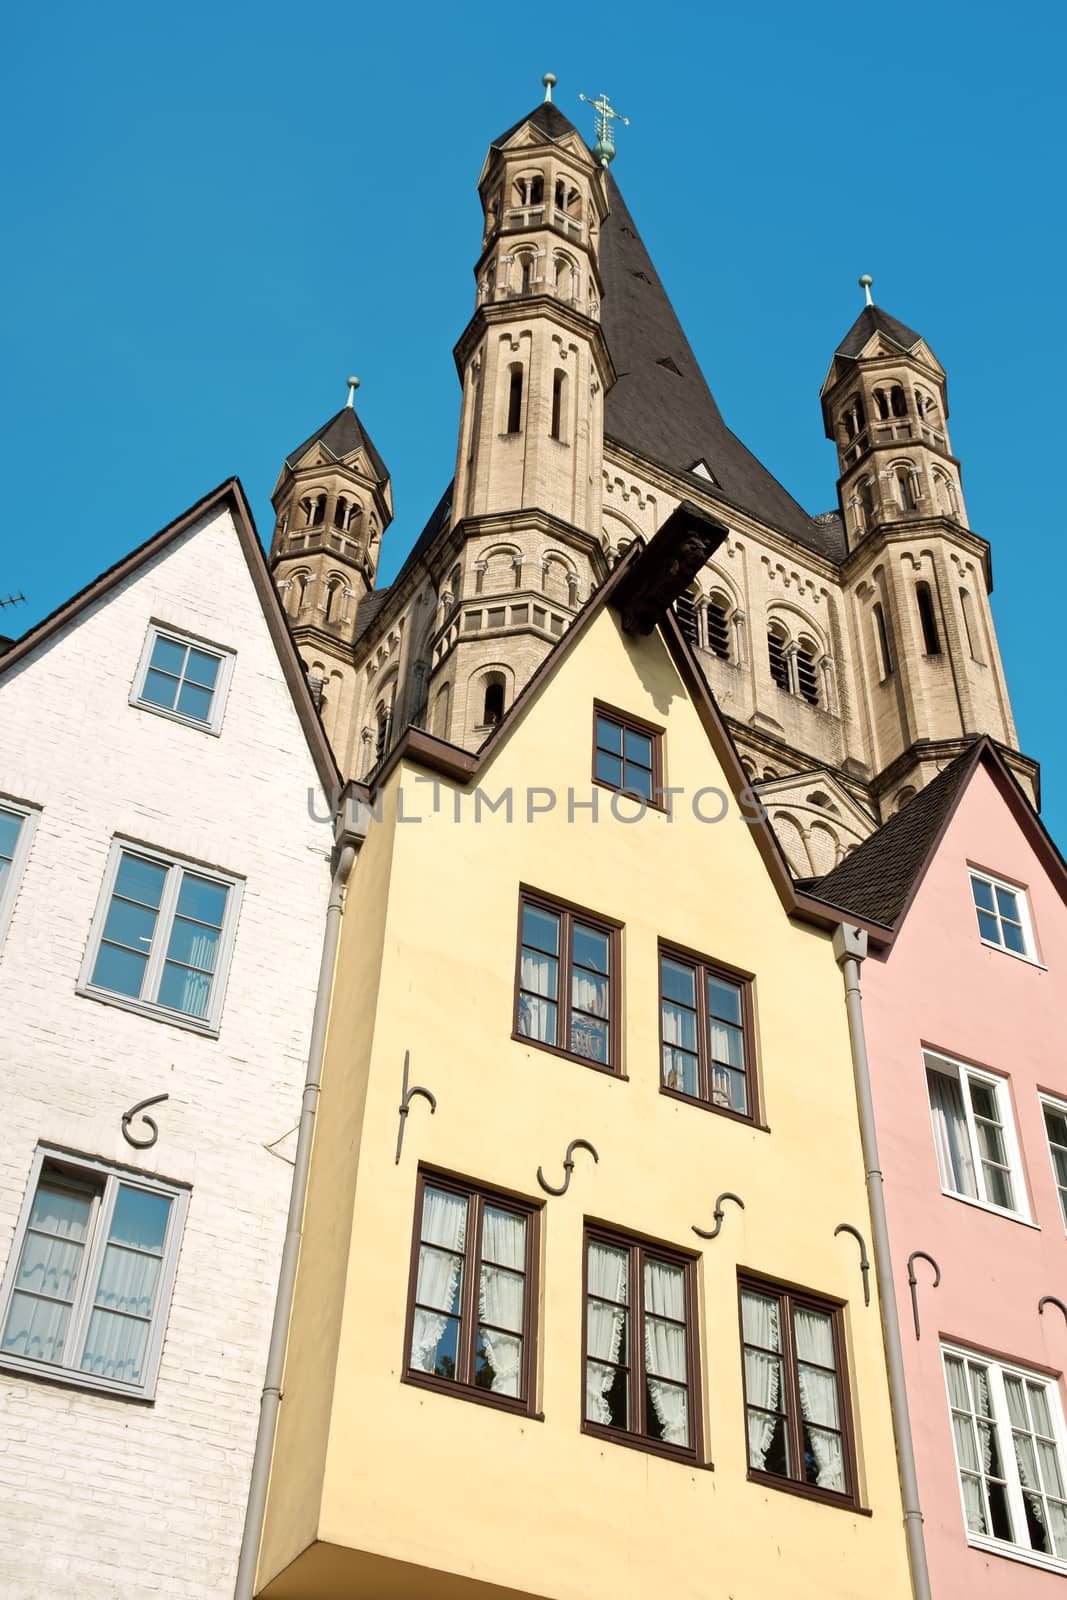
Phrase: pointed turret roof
(872,320)
(343,434)
(661,406)
(546,118)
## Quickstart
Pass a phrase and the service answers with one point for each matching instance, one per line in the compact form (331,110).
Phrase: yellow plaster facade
(383,1488)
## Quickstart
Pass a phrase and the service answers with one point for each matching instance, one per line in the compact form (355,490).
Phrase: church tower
(918,578)
(333,502)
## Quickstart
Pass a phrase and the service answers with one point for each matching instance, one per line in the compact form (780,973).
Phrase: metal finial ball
(550,80)
(866,282)
(353,383)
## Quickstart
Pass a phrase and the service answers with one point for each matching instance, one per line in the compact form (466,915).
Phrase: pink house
(966,1024)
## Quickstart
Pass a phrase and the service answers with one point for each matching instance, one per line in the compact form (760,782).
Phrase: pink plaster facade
(940,987)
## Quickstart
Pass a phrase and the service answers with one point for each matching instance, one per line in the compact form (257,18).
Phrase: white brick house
(164,871)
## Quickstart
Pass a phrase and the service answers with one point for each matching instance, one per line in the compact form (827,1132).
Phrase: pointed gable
(342,437)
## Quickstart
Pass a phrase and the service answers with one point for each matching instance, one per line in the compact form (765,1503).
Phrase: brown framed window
(706,1033)
(567,986)
(796,1391)
(640,1350)
(627,754)
(472,1301)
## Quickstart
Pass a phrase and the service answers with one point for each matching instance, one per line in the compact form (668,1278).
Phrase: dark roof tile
(546,118)
(341,435)
(872,320)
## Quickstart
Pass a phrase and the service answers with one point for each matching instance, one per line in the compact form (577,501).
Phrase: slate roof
(367,610)
(548,118)
(871,320)
(876,880)
(341,435)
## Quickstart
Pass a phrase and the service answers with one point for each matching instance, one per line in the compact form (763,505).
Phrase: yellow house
(663,1380)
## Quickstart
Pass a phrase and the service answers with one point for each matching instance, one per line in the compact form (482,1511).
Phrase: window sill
(212,728)
(569,1055)
(994,1211)
(481,1397)
(1016,1552)
(809,1491)
(634,798)
(203,1026)
(708,1105)
(68,1378)
(648,1447)
(1016,955)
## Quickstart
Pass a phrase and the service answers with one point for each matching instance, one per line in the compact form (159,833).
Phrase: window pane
(724,1001)
(121,971)
(115,1347)
(609,769)
(998,1187)
(168,656)
(680,1070)
(589,1038)
(1007,904)
(537,1019)
(159,690)
(140,1219)
(185,991)
(678,982)
(768,1444)
(193,945)
(988,926)
(440,1279)
(638,749)
(140,880)
(195,702)
(590,948)
(504,1238)
(36,1329)
(607,1395)
(728,1089)
(589,993)
(202,900)
(759,1320)
(444,1218)
(10,826)
(824,1462)
(1013,938)
(202,668)
(130,925)
(951,1139)
(498,1362)
(983,893)
(667,1412)
(502,1298)
(680,1028)
(540,929)
(608,736)
(128,1281)
(638,781)
(539,974)
(665,1292)
(727,1044)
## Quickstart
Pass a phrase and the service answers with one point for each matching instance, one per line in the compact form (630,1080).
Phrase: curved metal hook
(406,1097)
(865,1265)
(568,1166)
(718,1214)
(149,1122)
(1051,1300)
(920,1255)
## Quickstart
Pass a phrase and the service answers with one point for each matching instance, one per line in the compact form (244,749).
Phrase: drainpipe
(850,948)
(350,830)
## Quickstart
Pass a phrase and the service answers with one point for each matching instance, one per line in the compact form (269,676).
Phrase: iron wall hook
(920,1255)
(1051,1300)
(718,1214)
(406,1097)
(568,1167)
(865,1265)
(149,1122)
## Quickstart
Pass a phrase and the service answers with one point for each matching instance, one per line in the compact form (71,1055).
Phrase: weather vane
(605,113)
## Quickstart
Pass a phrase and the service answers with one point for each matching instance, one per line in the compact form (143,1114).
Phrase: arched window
(568,198)
(969,626)
(493,700)
(718,627)
(897,401)
(686,612)
(514,398)
(881,400)
(525,273)
(927,619)
(566,285)
(559,395)
(905,488)
(334,599)
(776,643)
(340,513)
(529,190)
(866,503)
(855,417)
(314,508)
(807,679)
(298,594)
(882,633)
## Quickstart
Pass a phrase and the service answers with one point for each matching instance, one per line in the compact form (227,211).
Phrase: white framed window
(162,936)
(974,1135)
(17,822)
(1003,915)
(1009,1438)
(89,1280)
(182,677)
(1055,1115)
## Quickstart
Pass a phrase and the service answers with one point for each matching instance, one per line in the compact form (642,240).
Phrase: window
(1003,915)
(514,399)
(927,619)
(641,1360)
(559,391)
(882,632)
(181,677)
(493,701)
(905,488)
(627,755)
(796,1394)
(705,1021)
(17,823)
(161,939)
(567,985)
(807,681)
(776,657)
(1007,1428)
(973,1134)
(1055,1114)
(90,1274)
(718,630)
(478,1342)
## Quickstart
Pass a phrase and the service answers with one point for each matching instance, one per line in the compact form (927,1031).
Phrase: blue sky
(217,212)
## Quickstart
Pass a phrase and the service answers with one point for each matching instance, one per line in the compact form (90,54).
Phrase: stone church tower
(852,653)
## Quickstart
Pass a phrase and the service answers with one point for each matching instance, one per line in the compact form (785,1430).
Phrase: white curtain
(501,1296)
(950,1134)
(763,1373)
(115,1347)
(665,1349)
(590,994)
(818,1394)
(608,1275)
(966,1446)
(1026,1448)
(444,1222)
(537,1016)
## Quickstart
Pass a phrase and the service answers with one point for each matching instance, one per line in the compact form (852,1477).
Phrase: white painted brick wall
(102,1497)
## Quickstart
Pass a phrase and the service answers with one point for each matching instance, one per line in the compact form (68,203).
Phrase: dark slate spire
(547,119)
(343,434)
(872,320)
(661,405)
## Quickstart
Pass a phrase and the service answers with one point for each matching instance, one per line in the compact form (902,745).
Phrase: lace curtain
(501,1296)
(608,1277)
(665,1353)
(444,1222)
(966,1448)
(813,1331)
(763,1373)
